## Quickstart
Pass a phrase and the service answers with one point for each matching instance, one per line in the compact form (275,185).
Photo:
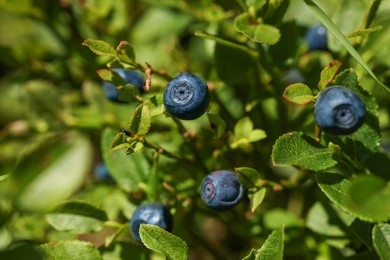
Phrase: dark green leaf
(273,247)
(255,30)
(100,47)
(298,149)
(231,63)
(298,93)
(381,238)
(127,171)
(78,217)
(140,120)
(156,104)
(329,73)
(72,249)
(157,239)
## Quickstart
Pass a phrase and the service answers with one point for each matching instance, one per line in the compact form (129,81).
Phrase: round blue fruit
(102,173)
(339,110)
(129,76)
(221,190)
(153,214)
(316,38)
(186,97)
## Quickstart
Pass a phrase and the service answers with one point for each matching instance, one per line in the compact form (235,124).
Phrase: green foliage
(159,240)
(308,194)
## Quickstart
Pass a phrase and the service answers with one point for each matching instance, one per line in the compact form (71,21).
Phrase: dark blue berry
(151,213)
(292,76)
(129,76)
(186,96)
(339,110)
(316,38)
(102,173)
(221,190)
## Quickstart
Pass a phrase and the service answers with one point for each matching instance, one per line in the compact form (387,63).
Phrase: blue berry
(151,213)
(130,76)
(316,38)
(221,190)
(339,110)
(102,173)
(186,96)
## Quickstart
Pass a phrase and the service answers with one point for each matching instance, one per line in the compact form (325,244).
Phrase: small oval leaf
(99,47)
(298,93)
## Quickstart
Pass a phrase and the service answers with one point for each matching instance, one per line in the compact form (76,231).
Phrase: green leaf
(251,256)
(273,247)
(301,150)
(364,32)
(78,217)
(365,197)
(327,22)
(119,142)
(101,48)
(140,121)
(256,198)
(72,249)
(249,177)
(256,135)
(370,196)
(60,178)
(255,30)
(111,76)
(322,220)
(111,239)
(156,104)
(125,52)
(243,127)
(159,240)
(217,122)
(277,217)
(381,238)
(244,133)
(298,93)
(127,171)
(329,73)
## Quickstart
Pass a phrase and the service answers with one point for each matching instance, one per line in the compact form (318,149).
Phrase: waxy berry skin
(186,97)
(153,214)
(339,110)
(129,76)
(316,38)
(221,190)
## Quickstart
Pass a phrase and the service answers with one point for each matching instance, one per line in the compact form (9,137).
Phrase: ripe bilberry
(186,96)
(221,190)
(129,76)
(339,110)
(102,173)
(316,38)
(151,213)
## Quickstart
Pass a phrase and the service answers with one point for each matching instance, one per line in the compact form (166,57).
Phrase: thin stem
(190,145)
(161,150)
(252,53)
